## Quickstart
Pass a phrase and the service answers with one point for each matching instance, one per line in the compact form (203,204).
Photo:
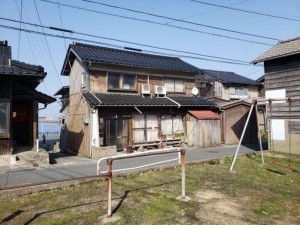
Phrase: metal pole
(182,152)
(37,145)
(259,135)
(241,139)
(109,180)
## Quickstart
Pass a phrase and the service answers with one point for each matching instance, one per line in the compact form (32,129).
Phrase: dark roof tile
(282,49)
(127,58)
(229,77)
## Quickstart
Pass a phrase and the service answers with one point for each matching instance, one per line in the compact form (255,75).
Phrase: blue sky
(32,48)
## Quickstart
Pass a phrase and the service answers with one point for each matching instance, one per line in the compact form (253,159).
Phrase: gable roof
(229,77)
(135,100)
(234,103)
(98,54)
(282,49)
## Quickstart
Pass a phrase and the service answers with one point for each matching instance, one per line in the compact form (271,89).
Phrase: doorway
(116,133)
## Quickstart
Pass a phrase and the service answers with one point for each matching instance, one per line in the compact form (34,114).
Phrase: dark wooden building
(282,80)
(19,101)
(233,120)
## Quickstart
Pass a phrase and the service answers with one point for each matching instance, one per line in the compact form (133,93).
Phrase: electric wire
(159,23)
(245,11)
(180,20)
(50,54)
(118,40)
(189,17)
(61,22)
(30,46)
(117,46)
(19,42)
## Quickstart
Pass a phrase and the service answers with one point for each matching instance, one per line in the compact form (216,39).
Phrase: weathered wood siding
(98,81)
(98,78)
(75,78)
(284,73)
(207,133)
(233,122)
(78,132)
(291,142)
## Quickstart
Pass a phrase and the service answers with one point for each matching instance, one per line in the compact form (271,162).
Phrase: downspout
(136,108)
(173,101)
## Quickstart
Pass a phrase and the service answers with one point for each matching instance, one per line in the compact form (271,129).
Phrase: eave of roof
(282,49)
(130,100)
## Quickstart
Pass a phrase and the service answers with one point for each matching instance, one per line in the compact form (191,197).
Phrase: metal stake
(241,139)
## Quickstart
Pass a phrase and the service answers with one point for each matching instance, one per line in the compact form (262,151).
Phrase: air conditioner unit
(160,90)
(145,89)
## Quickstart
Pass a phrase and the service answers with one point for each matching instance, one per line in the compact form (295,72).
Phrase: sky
(195,29)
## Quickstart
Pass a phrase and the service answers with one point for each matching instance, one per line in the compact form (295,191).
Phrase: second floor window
(121,81)
(238,92)
(174,85)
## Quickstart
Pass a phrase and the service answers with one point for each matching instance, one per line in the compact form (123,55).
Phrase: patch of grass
(252,194)
(267,209)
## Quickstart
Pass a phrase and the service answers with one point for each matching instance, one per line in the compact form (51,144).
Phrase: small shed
(203,128)
(233,119)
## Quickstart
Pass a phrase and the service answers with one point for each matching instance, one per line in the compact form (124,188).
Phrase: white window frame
(173,83)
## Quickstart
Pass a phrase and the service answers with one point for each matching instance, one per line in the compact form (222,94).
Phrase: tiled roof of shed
(119,57)
(229,77)
(100,99)
(282,49)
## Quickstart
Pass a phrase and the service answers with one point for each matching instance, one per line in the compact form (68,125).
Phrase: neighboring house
(282,80)
(65,101)
(261,80)
(127,98)
(226,85)
(19,101)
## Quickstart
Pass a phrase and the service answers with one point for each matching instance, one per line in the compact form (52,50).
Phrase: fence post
(182,161)
(109,181)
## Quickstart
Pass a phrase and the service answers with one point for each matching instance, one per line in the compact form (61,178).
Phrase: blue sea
(49,128)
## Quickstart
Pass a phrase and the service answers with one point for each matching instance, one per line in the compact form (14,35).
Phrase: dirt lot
(252,194)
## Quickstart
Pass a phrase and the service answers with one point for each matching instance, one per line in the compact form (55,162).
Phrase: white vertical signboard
(277,125)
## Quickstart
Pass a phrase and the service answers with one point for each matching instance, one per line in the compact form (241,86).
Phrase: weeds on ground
(252,194)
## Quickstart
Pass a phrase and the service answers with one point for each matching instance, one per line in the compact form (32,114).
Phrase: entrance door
(21,125)
(117,133)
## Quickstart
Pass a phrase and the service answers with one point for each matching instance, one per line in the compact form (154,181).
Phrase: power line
(127,42)
(116,46)
(159,23)
(237,3)
(180,20)
(31,47)
(20,28)
(245,11)
(51,57)
(60,17)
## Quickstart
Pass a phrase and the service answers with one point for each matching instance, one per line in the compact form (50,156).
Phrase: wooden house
(127,98)
(19,101)
(226,85)
(282,80)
